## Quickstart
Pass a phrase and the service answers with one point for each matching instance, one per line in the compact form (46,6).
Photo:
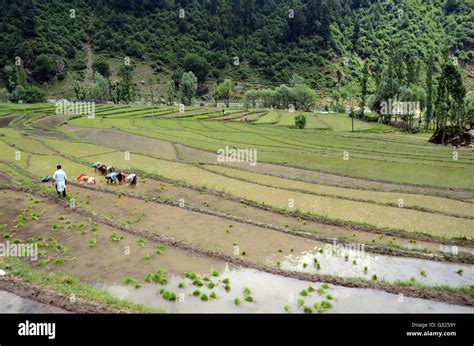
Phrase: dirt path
(89,74)
(48,297)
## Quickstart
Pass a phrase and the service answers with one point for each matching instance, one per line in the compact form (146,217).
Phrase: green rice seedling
(291,250)
(249,299)
(244,253)
(231,226)
(213,295)
(321,250)
(83,233)
(325,286)
(41,262)
(204,297)
(307,310)
(181,285)
(128,280)
(321,291)
(237,301)
(141,242)
(7,235)
(326,305)
(346,258)
(66,250)
(215,273)
(413,241)
(162,290)
(304,293)
(319,308)
(196,293)
(366,269)
(300,302)
(211,285)
(146,258)
(227,288)
(137,286)
(94,228)
(330,297)
(460,272)
(315,260)
(318,266)
(190,275)
(374,277)
(160,249)
(354,262)
(287,308)
(160,277)
(423,273)
(278,264)
(226,281)
(205,278)
(311,289)
(413,279)
(305,265)
(170,296)
(62,217)
(247,291)
(92,243)
(198,283)
(2,227)
(58,261)
(115,237)
(149,278)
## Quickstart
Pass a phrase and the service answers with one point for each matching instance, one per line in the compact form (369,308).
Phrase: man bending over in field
(59,181)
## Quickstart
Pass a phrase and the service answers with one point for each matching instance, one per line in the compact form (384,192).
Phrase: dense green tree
(43,69)
(198,65)
(225,90)
(102,67)
(188,87)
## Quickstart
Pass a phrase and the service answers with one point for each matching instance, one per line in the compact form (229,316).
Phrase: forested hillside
(249,41)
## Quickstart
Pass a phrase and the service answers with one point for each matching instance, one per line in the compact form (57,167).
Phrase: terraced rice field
(323,214)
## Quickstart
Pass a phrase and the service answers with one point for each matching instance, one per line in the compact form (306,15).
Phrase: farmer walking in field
(59,181)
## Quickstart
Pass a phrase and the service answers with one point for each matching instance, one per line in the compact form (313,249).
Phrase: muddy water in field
(271,293)
(263,245)
(107,260)
(11,303)
(384,267)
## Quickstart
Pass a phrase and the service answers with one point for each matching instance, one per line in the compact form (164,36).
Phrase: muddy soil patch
(7,119)
(42,295)
(430,294)
(125,141)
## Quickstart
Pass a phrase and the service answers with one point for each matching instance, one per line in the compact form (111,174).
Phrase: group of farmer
(59,177)
(113,177)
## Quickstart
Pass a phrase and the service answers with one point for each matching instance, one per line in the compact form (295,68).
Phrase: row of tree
(298,95)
